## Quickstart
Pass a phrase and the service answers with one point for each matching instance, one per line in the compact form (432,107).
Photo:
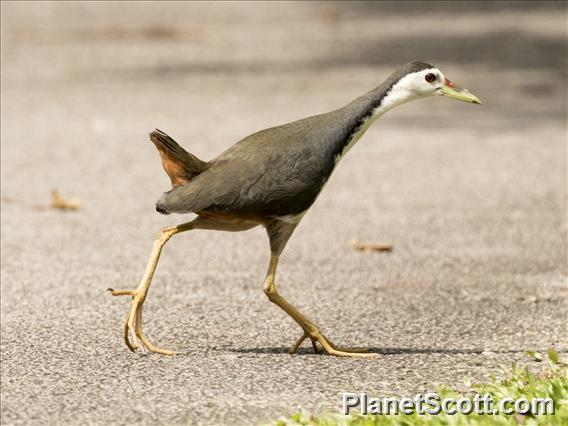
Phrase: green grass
(551,381)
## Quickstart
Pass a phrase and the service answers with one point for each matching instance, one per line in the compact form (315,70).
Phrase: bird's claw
(133,324)
(329,348)
(122,292)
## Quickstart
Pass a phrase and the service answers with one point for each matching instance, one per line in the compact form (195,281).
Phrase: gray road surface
(473,200)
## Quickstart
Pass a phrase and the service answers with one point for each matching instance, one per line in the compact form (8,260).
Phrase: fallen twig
(368,247)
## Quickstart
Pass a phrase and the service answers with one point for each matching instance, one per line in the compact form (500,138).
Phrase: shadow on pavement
(382,351)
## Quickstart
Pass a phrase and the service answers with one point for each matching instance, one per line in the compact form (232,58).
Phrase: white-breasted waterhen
(271,178)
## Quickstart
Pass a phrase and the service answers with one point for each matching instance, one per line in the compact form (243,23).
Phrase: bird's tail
(180,165)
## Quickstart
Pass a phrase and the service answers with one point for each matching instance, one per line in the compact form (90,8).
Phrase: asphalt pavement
(472,199)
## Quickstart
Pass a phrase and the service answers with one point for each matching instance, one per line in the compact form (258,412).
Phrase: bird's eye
(430,77)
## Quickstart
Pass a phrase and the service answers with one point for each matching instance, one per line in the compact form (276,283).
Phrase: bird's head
(418,79)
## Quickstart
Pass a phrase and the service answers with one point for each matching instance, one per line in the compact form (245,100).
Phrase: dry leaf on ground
(370,247)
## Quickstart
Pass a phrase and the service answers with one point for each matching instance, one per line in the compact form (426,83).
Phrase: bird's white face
(424,83)
(427,82)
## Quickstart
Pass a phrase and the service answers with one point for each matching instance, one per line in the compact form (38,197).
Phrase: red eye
(430,77)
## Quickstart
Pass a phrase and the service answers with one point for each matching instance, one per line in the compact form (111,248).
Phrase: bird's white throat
(399,93)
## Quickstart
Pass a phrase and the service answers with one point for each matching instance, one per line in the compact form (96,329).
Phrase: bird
(271,179)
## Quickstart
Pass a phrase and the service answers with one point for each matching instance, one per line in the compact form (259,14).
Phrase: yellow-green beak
(451,91)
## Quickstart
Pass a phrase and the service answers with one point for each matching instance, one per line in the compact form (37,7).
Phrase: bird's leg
(133,324)
(311,331)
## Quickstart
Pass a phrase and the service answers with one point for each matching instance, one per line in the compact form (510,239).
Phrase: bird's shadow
(379,351)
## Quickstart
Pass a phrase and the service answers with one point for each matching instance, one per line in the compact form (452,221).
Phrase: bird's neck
(365,110)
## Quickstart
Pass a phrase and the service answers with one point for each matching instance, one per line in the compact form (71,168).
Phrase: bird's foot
(329,347)
(133,323)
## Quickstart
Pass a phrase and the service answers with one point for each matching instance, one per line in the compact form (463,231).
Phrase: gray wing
(275,172)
